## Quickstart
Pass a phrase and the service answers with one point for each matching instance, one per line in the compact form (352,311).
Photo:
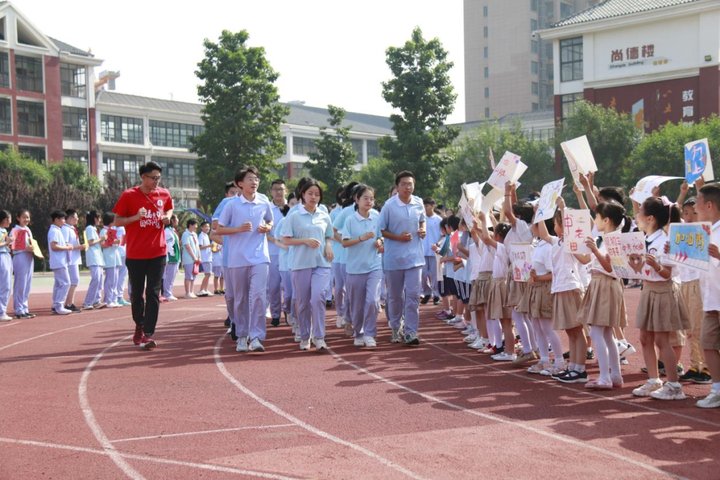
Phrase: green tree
(76,175)
(421,90)
(612,137)
(662,151)
(242,113)
(470,159)
(377,174)
(333,162)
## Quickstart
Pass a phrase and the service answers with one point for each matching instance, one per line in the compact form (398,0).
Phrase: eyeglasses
(154,178)
(252,178)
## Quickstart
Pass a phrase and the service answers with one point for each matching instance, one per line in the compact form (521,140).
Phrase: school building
(55,107)
(656,59)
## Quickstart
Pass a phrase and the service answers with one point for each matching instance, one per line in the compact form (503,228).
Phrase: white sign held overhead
(509,169)
(546,203)
(580,158)
(645,186)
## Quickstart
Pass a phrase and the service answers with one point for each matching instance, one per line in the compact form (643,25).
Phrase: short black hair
(90,217)
(70,212)
(454,222)
(403,174)
(613,193)
(203,223)
(524,211)
(57,214)
(190,221)
(689,202)
(277,181)
(108,218)
(229,185)
(149,167)
(4,214)
(240,175)
(711,193)
(428,201)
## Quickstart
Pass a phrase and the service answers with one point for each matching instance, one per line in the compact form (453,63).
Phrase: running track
(78,400)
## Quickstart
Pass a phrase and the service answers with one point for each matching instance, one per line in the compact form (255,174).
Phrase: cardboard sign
(20,240)
(698,162)
(580,158)
(492,199)
(547,201)
(36,249)
(521,261)
(577,226)
(645,186)
(689,245)
(466,211)
(627,254)
(509,169)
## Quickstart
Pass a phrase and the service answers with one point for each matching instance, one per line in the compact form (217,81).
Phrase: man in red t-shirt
(144,211)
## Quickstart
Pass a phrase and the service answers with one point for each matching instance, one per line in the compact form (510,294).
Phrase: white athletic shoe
(256,346)
(359,342)
(711,401)
(5,318)
(370,342)
(320,344)
(646,389)
(503,357)
(339,321)
(470,338)
(304,344)
(171,298)
(479,344)
(668,392)
(242,345)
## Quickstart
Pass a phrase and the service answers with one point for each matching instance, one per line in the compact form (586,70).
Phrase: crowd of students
(290,256)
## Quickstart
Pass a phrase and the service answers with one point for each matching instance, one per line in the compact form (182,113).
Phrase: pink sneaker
(147,343)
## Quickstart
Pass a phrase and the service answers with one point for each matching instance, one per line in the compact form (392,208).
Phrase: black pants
(145,307)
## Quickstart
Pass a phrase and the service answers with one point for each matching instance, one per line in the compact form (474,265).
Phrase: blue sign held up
(697,155)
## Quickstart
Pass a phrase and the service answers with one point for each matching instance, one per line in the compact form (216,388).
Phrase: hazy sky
(326,51)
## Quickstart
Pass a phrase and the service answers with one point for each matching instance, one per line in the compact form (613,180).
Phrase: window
(534,5)
(123,165)
(80,156)
(485,11)
(485,32)
(487,92)
(373,149)
(487,112)
(571,59)
(534,88)
(357,145)
(36,153)
(4,69)
(486,72)
(535,107)
(72,80)
(303,146)
(5,116)
(29,73)
(74,123)
(568,103)
(177,172)
(170,134)
(485,52)
(31,118)
(533,25)
(534,68)
(121,129)
(534,46)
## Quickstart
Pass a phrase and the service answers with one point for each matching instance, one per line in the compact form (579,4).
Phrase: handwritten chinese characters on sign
(627,254)
(689,245)
(577,226)
(509,169)
(521,260)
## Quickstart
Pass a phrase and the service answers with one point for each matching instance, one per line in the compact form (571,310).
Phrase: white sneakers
(647,388)
(242,345)
(339,321)
(359,342)
(171,298)
(711,401)
(479,344)
(370,342)
(304,344)
(5,318)
(320,344)
(669,392)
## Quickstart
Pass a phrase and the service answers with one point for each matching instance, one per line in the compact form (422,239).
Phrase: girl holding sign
(661,311)
(5,264)
(23,263)
(603,306)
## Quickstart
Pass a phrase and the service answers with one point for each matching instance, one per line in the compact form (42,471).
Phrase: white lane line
(584,392)
(203,432)
(320,433)
(146,458)
(20,342)
(510,423)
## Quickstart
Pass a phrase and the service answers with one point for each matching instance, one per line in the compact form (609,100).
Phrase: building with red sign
(656,59)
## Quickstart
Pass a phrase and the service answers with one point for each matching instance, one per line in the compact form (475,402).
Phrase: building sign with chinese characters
(633,56)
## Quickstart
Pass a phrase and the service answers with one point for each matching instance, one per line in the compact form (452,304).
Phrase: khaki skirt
(603,304)
(515,291)
(537,301)
(480,289)
(497,300)
(662,308)
(566,306)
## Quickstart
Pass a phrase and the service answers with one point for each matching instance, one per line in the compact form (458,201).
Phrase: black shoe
(232,333)
(275,322)
(590,354)
(436,300)
(29,315)
(702,378)
(73,308)
(227,322)
(566,355)
(573,376)
(689,376)
(425,299)
(328,303)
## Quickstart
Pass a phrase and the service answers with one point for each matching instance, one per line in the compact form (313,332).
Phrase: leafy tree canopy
(333,162)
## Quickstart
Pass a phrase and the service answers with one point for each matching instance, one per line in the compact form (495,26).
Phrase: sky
(326,51)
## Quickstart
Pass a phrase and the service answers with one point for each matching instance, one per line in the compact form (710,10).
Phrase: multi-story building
(508,70)
(47,96)
(133,130)
(656,59)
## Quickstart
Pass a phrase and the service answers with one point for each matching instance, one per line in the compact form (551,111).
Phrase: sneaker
(99,305)
(436,300)
(703,378)
(668,392)
(87,307)
(190,295)
(227,322)
(171,298)
(411,339)
(370,342)
(112,305)
(123,303)
(217,292)
(624,361)
(625,348)
(297,337)
(490,350)
(147,343)
(524,358)
(395,336)
(536,368)
(203,293)
(711,401)
(479,344)
(320,344)
(469,330)
(503,357)
(359,342)
(349,331)
(560,373)
(242,345)
(256,346)
(590,354)
(573,376)
(61,311)
(689,375)
(598,385)
(137,337)
(339,321)
(647,388)
(72,308)
(425,299)
(551,370)
(5,318)
(470,338)
(460,324)
(275,322)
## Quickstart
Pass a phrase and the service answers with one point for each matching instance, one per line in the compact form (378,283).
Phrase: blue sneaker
(411,339)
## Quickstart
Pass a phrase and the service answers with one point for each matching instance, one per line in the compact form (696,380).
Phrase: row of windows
(29,75)
(114,128)
(177,172)
(74,123)
(171,134)
(305,146)
(31,120)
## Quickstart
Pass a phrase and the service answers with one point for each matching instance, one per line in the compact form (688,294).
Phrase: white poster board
(627,254)
(580,158)
(547,201)
(645,186)
(577,226)
(508,169)
(521,261)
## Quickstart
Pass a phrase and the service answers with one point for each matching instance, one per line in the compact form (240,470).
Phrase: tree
(662,151)
(376,174)
(470,159)
(421,90)
(333,162)
(612,137)
(242,113)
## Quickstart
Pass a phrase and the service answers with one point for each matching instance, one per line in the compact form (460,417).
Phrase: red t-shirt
(146,237)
